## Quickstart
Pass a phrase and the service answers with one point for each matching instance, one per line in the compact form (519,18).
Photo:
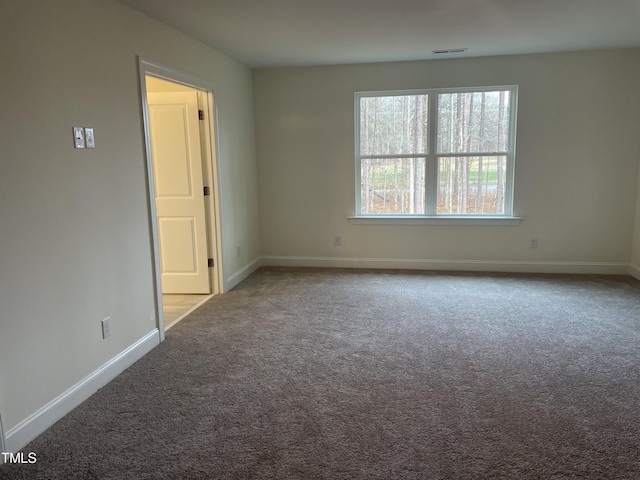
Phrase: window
(446,152)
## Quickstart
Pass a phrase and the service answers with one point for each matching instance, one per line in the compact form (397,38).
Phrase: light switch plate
(90,139)
(78,137)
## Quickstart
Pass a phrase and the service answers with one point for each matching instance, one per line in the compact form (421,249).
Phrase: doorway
(183,191)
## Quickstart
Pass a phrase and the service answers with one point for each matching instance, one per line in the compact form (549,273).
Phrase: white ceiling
(266,33)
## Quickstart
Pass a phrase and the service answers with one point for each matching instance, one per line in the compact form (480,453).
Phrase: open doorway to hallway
(183,189)
(179,158)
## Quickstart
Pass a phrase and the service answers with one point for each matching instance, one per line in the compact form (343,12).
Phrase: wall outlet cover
(89,137)
(78,137)
(106,327)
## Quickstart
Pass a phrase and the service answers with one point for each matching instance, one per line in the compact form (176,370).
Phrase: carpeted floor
(339,374)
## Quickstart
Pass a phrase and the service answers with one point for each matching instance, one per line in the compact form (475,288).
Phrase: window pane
(392,185)
(393,125)
(471,185)
(473,122)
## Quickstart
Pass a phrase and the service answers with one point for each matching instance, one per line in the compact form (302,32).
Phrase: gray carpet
(339,374)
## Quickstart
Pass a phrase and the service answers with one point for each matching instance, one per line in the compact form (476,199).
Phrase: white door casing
(2,447)
(178,180)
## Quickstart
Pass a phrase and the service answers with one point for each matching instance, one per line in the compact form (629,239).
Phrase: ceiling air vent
(448,50)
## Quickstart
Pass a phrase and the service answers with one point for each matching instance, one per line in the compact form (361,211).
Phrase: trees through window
(435,152)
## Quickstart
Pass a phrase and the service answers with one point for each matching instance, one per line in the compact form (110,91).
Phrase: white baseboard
(605,268)
(27,430)
(634,271)
(243,273)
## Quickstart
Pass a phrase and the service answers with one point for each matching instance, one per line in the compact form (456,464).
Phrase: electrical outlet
(533,243)
(106,327)
(337,240)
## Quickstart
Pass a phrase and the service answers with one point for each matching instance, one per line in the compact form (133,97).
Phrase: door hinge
(210,262)
(207,191)
(200,114)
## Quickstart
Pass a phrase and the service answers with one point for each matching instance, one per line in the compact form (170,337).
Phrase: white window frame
(431,168)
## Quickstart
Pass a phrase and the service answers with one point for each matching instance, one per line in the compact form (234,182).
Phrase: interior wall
(75,240)
(576,159)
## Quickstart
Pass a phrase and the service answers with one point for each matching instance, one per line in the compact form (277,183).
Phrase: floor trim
(604,268)
(634,271)
(243,273)
(27,430)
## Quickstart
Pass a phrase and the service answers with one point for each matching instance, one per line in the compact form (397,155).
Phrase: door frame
(213,208)
(2,441)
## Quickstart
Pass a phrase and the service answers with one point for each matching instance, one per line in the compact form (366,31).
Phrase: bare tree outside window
(469,158)
(391,127)
(474,125)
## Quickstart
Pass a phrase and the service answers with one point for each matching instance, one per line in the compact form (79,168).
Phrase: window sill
(449,220)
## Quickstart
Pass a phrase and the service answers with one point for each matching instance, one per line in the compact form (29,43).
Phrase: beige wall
(74,230)
(576,159)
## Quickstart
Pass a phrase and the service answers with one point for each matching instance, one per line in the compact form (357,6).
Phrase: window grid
(474,206)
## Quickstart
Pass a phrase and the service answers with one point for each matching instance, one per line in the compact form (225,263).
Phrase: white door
(180,207)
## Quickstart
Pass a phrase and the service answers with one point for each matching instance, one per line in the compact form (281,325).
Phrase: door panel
(180,210)
(178,251)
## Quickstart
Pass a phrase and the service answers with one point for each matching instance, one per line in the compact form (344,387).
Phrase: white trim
(2,441)
(32,426)
(244,272)
(211,141)
(449,220)
(634,271)
(508,266)
(431,161)
(157,279)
